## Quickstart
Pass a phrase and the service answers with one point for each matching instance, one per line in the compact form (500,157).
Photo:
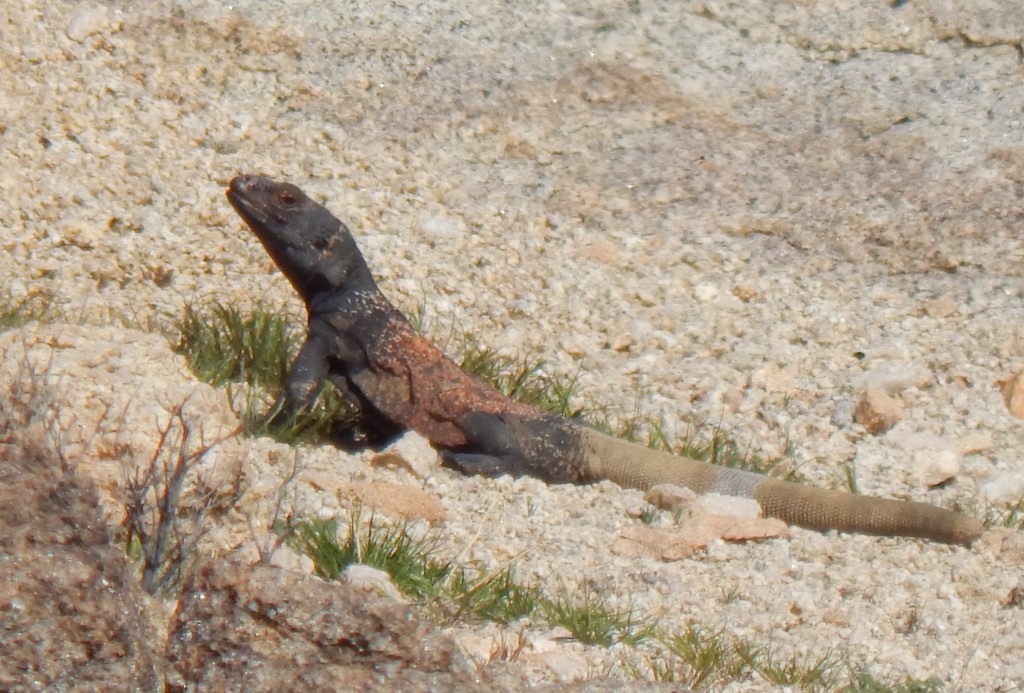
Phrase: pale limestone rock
(728,506)
(877,411)
(284,557)
(939,308)
(104,396)
(1004,487)
(670,497)
(973,443)
(1006,544)
(412,452)
(1012,389)
(676,498)
(917,440)
(773,378)
(366,577)
(397,500)
(88,21)
(894,377)
(935,467)
(564,665)
(699,530)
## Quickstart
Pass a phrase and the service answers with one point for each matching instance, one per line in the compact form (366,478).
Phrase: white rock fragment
(1012,390)
(1004,487)
(413,452)
(706,293)
(973,443)
(285,557)
(885,352)
(773,378)
(939,308)
(439,227)
(563,664)
(87,21)
(670,497)
(934,467)
(728,506)
(842,413)
(917,440)
(374,579)
(894,377)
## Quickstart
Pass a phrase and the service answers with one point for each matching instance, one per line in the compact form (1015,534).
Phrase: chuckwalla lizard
(363,345)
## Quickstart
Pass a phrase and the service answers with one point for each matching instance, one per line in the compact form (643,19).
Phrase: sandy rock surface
(752,215)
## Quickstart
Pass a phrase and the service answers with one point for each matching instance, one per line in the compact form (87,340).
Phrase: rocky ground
(749,215)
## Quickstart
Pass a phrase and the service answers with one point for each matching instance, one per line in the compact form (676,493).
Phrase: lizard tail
(822,509)
(634,466)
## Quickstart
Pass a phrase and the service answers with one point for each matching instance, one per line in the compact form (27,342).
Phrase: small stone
(663,544)
(842,414)
(705,293)
(412,452)
(728,506)
(973,442)
(773,379)
(601,250)
(877,411)
(935,467)
(1004,487)
(87,21)
(894,377)
(697,532)
(565,665)
(1005,544)
(1012,389)
(367,577)
(406,502)
(670,497)
(744,292)
(439,227)
(284,557)
(917,440)
(939,308)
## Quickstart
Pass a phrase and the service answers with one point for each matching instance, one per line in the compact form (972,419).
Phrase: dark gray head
(313,248)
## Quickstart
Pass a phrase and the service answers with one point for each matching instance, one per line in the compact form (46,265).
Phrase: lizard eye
(287,198)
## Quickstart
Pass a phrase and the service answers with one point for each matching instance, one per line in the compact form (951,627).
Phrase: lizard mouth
(246,193)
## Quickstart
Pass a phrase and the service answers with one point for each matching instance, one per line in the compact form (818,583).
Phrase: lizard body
(363,345)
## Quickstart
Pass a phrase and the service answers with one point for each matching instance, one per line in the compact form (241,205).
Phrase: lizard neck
(355,310)
(332,279)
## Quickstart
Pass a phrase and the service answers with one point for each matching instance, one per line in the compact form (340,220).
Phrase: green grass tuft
(593,622)
(523,379)
(496,597)
(702,658)
(17,312)
(408,561)
(863,682)
(448,590)
(223,344)
(819,674)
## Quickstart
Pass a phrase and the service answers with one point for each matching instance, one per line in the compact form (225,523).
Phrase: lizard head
(309,244)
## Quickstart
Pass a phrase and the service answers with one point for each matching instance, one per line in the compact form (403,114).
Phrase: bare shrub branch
(153,509)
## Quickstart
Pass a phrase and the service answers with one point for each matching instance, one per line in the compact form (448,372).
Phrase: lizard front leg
(323,356)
